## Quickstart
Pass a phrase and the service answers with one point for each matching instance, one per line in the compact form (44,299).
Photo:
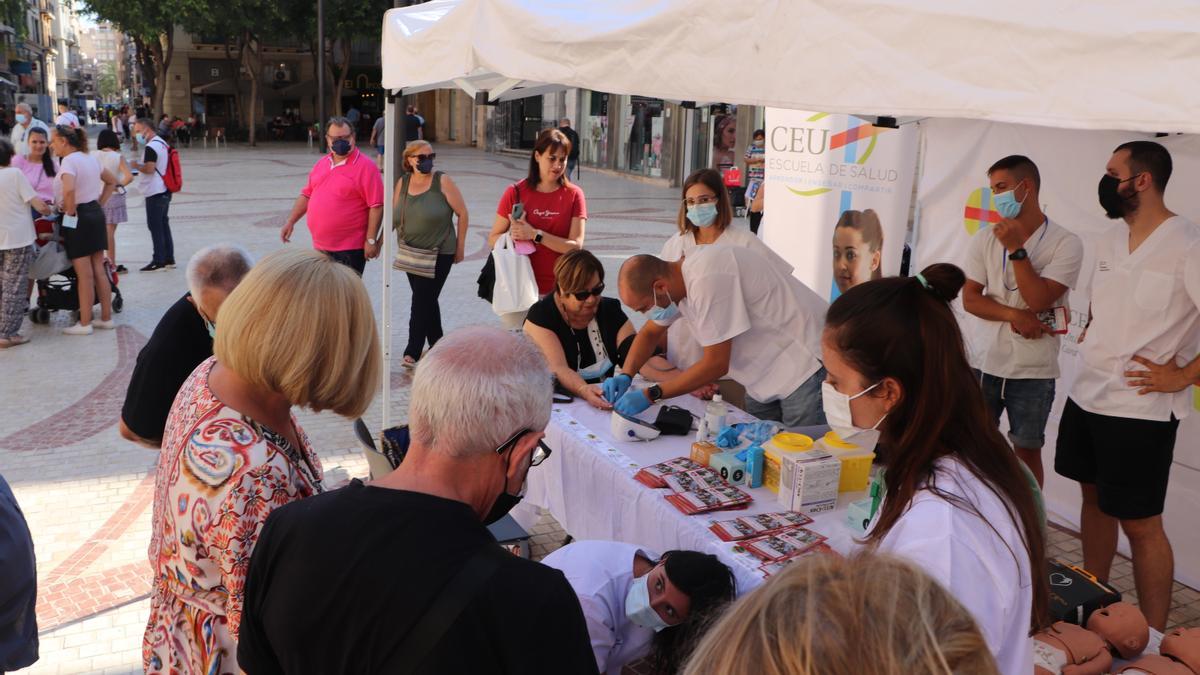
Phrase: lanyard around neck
(1004,257)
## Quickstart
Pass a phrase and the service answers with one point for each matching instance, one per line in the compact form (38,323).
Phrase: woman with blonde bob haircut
(233,452)
(829,615)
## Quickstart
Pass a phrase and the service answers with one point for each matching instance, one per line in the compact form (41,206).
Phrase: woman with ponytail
(956,501)
(81,188)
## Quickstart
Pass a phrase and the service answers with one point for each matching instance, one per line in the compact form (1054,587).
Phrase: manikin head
(1183,645)
(1123,627)
(1156,664)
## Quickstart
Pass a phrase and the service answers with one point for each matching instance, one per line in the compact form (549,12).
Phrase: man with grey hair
(343,200)
(401,574)
(24,122)
(181,341)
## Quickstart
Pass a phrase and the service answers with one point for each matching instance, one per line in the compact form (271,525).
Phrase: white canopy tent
(1109,65)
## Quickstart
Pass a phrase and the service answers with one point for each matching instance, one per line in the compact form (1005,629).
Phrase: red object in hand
(733,177)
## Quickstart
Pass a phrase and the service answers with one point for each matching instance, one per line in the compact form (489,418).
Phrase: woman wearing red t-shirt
(555,210)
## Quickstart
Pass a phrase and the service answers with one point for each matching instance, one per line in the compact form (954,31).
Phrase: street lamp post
(320,74)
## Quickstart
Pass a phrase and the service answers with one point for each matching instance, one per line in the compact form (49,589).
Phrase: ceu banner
(838,195)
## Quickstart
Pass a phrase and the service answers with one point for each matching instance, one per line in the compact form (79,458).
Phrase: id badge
(1055,319)
(70,222)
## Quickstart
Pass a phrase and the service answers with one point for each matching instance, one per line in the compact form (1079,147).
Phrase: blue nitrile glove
(728,437)
(761,431)
(632,403)
(616,386)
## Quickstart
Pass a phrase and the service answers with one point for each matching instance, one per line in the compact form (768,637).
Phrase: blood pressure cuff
(623,351)
(1075,593)
(673,421)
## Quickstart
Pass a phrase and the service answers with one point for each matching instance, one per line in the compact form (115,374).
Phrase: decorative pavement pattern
(86,492)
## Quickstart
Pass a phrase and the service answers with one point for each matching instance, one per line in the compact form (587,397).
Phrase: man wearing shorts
(1138,358)
(1019,271)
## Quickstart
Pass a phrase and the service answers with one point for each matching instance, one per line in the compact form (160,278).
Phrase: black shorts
(1128,460)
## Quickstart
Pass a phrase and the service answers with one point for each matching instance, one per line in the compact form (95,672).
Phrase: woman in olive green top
(428,210)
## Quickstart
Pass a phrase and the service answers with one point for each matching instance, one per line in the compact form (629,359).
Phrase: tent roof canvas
(1109,64)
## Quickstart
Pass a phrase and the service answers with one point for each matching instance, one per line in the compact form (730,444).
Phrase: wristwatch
(537,238)
(654,393)
(1019,254)
(372,241)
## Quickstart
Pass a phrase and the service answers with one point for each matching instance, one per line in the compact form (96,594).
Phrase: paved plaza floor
(86,493)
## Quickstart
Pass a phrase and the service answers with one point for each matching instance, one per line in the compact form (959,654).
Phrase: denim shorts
(1027,402)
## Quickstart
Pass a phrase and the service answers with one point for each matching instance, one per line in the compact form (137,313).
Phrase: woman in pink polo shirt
(555,209)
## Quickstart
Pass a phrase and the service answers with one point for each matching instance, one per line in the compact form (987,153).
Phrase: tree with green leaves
(345,21)
(106,82)
(152,23)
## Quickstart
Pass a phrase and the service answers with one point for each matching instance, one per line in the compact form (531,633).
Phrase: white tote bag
(515,289)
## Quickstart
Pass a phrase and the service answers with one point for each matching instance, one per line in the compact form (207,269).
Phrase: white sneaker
(106,325)
(78,329)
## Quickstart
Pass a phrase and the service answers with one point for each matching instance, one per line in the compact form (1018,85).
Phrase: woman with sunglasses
(426,201)
(580,333)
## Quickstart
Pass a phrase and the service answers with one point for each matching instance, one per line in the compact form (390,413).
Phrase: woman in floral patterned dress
(298,330)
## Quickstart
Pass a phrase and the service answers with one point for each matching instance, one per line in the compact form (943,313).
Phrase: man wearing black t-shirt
(181,341)
(401,574)
(412,125)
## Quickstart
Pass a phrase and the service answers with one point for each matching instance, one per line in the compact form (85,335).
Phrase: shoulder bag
(411,259)
(445,610)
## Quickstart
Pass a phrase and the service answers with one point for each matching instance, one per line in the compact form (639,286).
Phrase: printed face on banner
(838,204)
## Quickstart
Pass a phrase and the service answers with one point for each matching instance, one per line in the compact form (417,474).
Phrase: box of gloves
(808,481)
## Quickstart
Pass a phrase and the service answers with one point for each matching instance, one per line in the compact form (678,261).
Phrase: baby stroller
(56,278)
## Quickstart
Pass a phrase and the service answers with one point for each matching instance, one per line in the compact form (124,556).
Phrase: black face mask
(500,508)
(340,147)
(1116,205)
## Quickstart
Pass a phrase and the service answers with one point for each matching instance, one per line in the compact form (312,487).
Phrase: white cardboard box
(809,481)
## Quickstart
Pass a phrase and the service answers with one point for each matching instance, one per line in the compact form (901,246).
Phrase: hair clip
(921,278)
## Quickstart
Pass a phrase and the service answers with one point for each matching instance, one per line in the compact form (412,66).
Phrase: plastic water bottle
(714,415)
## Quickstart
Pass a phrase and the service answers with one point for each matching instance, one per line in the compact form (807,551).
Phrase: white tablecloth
(587,485)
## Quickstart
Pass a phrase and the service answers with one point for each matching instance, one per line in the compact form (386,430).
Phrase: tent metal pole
(385,255)
(321,119)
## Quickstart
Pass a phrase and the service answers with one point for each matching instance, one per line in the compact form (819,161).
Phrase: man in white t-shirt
(66,117)
(758,325)
(155,156)
(1019,272)
(20,131)
(1138,358)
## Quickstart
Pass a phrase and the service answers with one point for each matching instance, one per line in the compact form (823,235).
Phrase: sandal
(408,362)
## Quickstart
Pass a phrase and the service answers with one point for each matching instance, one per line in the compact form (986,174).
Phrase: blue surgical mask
(637,605)
(702,215)
(211,328)
(340,147)
(1006,203)
(21,119)
(141,140)
(425,165)
(662,314)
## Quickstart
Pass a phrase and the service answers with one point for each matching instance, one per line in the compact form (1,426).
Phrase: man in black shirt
(412,125)
(181,341)
(572,157)
(370,578)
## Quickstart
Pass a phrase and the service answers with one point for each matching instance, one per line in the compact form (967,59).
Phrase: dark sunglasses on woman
(582,296)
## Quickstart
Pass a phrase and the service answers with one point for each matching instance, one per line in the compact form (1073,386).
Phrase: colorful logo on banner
(856,130)
(979,212)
